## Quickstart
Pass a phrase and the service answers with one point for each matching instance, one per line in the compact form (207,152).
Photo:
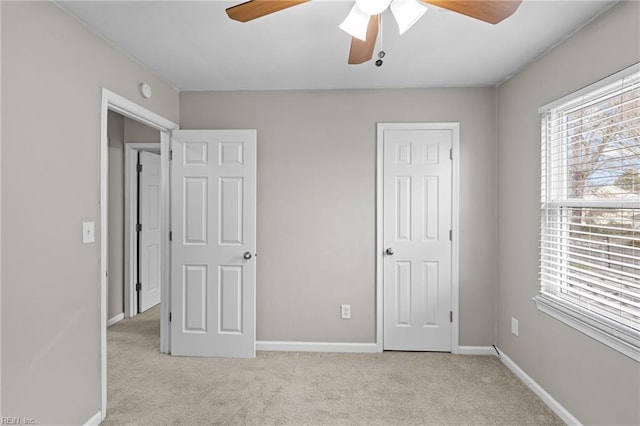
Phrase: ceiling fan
(363,20)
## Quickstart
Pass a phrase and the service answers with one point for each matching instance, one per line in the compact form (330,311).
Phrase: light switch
(514,326)
(88,232)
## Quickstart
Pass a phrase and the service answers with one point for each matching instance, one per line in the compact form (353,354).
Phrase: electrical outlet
(345,311)
(514,326)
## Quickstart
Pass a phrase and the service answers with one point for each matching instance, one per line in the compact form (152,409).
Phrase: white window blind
(590,207)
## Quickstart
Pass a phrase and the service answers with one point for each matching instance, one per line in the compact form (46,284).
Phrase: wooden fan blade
(491,11)
(362,51)
(253,9)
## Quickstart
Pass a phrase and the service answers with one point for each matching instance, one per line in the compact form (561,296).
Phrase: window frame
(622,338)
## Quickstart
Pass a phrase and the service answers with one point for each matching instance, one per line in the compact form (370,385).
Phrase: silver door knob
(247,255)
(389,251)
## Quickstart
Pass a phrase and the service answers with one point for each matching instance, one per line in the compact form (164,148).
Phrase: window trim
(617,336)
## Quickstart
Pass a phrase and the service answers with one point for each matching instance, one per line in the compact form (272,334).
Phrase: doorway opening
(134,218)
(113,103)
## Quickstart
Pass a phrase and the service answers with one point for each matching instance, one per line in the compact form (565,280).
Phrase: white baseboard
(351,347)
(95,420)
(555,406)
(477,350)
(316,347)
(115,319)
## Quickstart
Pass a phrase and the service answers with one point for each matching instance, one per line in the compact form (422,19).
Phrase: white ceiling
(195,47)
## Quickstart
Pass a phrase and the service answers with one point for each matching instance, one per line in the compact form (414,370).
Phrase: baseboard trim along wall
(95,420)
(316,347)
(352,347)
(115,319)
(554,405)
(477,350)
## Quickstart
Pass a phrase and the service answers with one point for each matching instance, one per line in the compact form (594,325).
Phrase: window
(590,211)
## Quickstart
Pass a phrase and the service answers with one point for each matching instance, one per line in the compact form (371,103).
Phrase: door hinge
(170,236)
(138,286)
(139,168)
(169,316)
(451,316)
(138,227)
(451,154)
(170,155)
(450,235)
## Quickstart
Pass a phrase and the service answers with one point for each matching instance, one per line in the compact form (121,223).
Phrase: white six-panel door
(213,223)
(417,184)
(149,248)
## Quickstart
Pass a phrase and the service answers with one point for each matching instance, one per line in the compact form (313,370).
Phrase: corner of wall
(549,400)
(496,132)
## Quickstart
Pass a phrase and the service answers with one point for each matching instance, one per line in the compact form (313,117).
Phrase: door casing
(455,195)
(113,102)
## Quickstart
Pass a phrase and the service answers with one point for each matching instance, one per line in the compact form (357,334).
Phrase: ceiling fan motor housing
(373,7)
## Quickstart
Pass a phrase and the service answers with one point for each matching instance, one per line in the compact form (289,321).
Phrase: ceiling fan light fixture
(356,23)
(407,13)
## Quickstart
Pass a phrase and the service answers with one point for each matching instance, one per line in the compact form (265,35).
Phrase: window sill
(589,324)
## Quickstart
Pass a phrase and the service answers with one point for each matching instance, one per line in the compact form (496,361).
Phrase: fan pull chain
(381,53)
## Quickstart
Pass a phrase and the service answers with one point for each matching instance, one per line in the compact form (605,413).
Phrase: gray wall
(316,202)
(595,383)
(135,131)
(53,71)
(115,133)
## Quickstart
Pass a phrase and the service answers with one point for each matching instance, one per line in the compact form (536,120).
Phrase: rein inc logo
(17,421)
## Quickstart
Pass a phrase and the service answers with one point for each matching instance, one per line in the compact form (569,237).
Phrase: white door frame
(131,151)
(123,106)
(455,195)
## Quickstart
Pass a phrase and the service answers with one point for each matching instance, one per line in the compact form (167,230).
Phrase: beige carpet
(148,388)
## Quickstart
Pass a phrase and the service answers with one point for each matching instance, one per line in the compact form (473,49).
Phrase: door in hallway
(417,259)
(149,234)
(213,225)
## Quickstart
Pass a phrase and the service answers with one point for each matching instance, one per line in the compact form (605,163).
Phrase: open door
(213,242)
(149,254)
